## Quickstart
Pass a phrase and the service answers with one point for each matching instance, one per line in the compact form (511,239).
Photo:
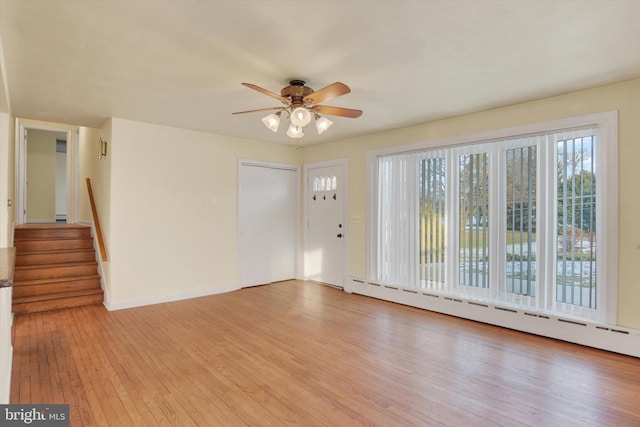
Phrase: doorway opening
(46,187)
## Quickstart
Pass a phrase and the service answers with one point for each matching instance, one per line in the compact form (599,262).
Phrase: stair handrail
(96,222)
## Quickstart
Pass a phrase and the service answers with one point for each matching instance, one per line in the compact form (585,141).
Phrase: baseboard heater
(602,336)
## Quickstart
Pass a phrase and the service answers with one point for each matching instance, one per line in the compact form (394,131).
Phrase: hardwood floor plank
(299,353)
(82,392)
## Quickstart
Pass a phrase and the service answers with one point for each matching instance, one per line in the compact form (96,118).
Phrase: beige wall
(89,165)
(7,180)
(172,222)
(41,175)
(7,163)
(98,171)
(624,97)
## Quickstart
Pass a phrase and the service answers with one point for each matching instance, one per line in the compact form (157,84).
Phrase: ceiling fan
(301,103)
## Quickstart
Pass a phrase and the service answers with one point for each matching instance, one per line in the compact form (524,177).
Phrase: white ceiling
(180,63)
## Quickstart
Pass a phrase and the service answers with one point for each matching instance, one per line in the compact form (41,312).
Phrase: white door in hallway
(268,224)
(326,228)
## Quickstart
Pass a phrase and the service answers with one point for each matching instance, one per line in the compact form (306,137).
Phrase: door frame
(72,166)
(344,164)
(273,165)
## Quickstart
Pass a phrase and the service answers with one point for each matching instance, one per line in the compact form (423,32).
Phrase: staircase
(55,268)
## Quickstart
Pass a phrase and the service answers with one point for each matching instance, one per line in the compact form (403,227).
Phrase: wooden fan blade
(267,92)
(326,93)
(259,109)
(336,111)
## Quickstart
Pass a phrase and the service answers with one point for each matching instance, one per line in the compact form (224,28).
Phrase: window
(517,220)
(576,226)
(432,215)
(325,183)
(520,213)
(473,232)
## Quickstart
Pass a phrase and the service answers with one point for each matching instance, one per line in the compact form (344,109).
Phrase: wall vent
(573,322)
(430,295)
(478,304)
(510,310)
(541,316)
(618,331)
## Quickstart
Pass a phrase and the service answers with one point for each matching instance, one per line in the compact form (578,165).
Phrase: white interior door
(268,224)
(325,243)
(284,224)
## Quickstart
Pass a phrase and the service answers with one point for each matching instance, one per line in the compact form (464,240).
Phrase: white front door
(326,233)
(268,224)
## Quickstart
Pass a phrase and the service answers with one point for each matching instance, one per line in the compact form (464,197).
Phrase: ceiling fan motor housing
(296,91)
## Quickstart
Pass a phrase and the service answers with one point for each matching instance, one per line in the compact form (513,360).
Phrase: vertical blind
(473,227)
(467,220)
(395,215)
(520,239)
(432,216)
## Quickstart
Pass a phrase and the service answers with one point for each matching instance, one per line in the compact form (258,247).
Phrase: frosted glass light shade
(295,131)
(300,116)
(322,124)
(272,121)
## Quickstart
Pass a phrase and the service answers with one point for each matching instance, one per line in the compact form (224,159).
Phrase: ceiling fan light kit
(295,131)
(300,116)
(303,104)
(272,121)
(322,123)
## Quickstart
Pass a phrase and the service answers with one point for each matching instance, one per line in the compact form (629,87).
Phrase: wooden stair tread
(54,251)
(58,264)
(55,256)
(51,225)
(46,232)
(31,282)
(58,295)
(37,238)
(57,303)
(59,240)
(29,288)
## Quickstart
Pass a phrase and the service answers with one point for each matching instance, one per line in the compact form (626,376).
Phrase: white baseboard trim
(617,339)
(121,305)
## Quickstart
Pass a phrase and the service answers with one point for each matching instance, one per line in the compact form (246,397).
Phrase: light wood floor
(303,354)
